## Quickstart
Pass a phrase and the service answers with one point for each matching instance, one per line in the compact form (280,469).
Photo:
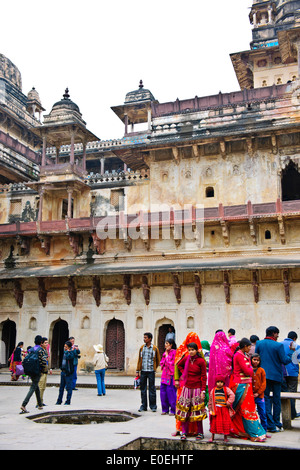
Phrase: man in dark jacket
(66,376)
(273,357)
(34,388)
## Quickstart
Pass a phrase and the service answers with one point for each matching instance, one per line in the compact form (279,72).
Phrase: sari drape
(220,360)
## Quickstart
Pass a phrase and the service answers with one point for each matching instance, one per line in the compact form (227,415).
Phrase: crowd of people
(235,384)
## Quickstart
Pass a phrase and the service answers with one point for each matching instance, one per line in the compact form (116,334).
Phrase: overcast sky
(100,49)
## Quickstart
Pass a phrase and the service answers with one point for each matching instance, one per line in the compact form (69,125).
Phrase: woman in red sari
(245,422)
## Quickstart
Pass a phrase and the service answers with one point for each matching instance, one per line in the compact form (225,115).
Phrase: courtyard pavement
(19,433)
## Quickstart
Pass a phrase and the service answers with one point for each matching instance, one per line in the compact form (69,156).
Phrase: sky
(101,49)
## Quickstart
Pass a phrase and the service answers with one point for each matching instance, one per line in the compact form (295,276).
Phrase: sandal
(199,437)
(183,437)
(23,410)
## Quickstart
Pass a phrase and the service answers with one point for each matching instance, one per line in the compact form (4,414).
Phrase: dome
(10,72)
(65,103)
(142,94)
(34,96)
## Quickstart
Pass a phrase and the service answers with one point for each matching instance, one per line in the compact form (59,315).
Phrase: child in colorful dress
(220,409)
(259,384)
(167,387)
(190,406)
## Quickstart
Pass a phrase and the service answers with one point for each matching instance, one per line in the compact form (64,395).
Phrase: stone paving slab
(17,432)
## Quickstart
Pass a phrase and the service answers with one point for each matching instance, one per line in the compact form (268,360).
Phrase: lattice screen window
(15,207)
(117,199)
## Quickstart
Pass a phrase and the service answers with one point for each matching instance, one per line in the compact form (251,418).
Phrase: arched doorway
(9,333)
(290,183)
(162,333)
(60,335)
(115,344)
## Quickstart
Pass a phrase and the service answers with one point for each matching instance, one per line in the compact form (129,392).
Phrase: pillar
(102,166)
(72,152)
(44,150)
(84,156)
(70,193)
(40,214)
(126,124)
(149,119)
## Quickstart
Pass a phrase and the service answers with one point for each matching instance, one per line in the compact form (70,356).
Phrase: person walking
(148,361)
(167,385)
(190,406)
(292,369)
(67,373)
(273,357)
(100,362)
(44,372)
(245,421)
(16,360)
(39,364)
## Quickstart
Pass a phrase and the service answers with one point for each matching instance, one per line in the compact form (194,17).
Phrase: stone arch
(8,337)
(59,334)
(161,329)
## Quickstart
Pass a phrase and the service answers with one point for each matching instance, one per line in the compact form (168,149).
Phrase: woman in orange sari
(181,352)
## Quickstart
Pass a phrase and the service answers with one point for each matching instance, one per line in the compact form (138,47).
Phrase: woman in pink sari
(220,360)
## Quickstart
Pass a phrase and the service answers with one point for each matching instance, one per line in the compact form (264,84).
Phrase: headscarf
(182,350)
(220,360)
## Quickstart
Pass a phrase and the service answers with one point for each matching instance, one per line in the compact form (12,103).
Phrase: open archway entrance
(290,183)
(115,344)
(60,334)
(163,330)
(8,336)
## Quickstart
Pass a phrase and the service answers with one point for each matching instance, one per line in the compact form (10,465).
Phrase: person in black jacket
(66,376)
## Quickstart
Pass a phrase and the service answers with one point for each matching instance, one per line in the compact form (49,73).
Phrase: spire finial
(141,84)
(66,94)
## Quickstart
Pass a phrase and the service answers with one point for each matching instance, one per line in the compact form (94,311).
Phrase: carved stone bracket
(127,288)
(72,291)
(177,288)
(75,242)
(226,285)
(99,244)
(45,244)
(252,230)
(198,289)
(18,293)
(42,291)
(281,229)
(286,284)
(24,245)
(255,285)
(146,289)
(96,290)
(175,153)
(225,232)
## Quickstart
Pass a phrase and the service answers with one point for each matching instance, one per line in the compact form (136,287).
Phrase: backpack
(31,363)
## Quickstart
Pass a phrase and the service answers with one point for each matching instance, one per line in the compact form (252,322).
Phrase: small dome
(65,103)
(34,96)
(10,72)
(142,94)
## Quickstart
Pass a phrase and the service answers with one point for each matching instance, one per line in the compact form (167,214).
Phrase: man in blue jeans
(273,356)
(66,376)
(148,361)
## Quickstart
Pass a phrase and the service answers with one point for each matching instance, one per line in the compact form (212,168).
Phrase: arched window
(209,192)
(268,235)
(290,183)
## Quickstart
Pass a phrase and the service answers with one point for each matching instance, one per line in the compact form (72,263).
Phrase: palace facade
(191,219)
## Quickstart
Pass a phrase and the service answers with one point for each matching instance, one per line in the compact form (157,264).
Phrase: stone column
(126,124)
(102,166)
(84,156)
(44,150)
(40,214)
(70,193)
(72,152)
(149,119)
